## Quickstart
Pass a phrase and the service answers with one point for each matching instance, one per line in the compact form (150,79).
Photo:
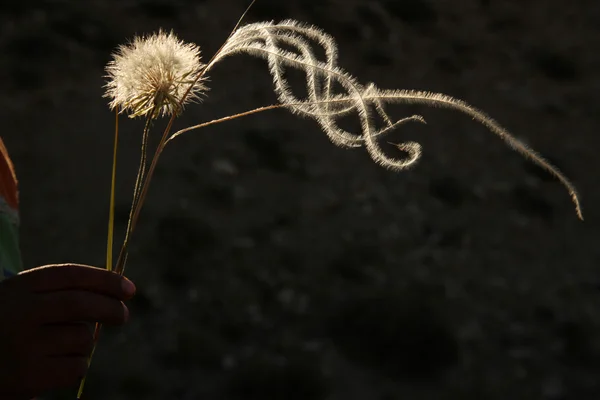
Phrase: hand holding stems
(45,338)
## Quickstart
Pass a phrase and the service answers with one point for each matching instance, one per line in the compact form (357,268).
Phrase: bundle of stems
(160,87)
(142,182)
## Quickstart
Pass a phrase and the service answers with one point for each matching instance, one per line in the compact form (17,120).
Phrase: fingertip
(128,287)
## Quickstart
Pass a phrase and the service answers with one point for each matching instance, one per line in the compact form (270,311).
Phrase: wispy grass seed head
(150,75)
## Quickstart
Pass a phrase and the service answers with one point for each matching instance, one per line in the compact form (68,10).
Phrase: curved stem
(261,109)
(224,119)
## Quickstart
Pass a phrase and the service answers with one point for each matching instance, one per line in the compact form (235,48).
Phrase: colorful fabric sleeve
(10,253)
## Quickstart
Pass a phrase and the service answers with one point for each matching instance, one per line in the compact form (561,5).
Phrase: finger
(80,306)
(78,277)
(74,339)
(53,373)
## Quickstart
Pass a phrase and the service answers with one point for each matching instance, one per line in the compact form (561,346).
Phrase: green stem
(109,244)
(96,336)
(111,209)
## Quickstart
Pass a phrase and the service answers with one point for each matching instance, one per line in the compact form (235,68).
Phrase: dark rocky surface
(271,264)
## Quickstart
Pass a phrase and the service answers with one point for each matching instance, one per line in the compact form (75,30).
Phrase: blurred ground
(273,265)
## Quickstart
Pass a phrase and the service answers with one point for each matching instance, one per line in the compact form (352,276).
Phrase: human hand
(44,339)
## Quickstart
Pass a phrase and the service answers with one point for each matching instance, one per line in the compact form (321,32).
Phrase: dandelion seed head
(152,74)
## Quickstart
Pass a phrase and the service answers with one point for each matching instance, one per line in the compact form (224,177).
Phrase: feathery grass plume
(272,42)
(152,74)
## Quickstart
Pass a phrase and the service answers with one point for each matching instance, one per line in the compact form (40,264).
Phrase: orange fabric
(8,178)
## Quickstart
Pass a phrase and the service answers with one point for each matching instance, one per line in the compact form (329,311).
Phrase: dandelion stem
(137,188)
(136,205)
(142,168)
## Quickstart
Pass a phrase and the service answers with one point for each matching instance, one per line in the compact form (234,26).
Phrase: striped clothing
(10,254)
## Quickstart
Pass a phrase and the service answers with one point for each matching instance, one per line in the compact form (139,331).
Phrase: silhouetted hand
(45,340)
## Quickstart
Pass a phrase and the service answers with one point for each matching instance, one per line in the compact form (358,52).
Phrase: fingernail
(128,287)
(126,312)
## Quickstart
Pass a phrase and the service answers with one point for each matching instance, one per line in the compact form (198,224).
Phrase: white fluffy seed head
(151,75)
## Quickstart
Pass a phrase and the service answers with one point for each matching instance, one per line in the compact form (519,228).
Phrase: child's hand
(44,341)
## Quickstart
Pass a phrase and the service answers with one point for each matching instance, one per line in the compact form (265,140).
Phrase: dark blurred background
(271,264)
